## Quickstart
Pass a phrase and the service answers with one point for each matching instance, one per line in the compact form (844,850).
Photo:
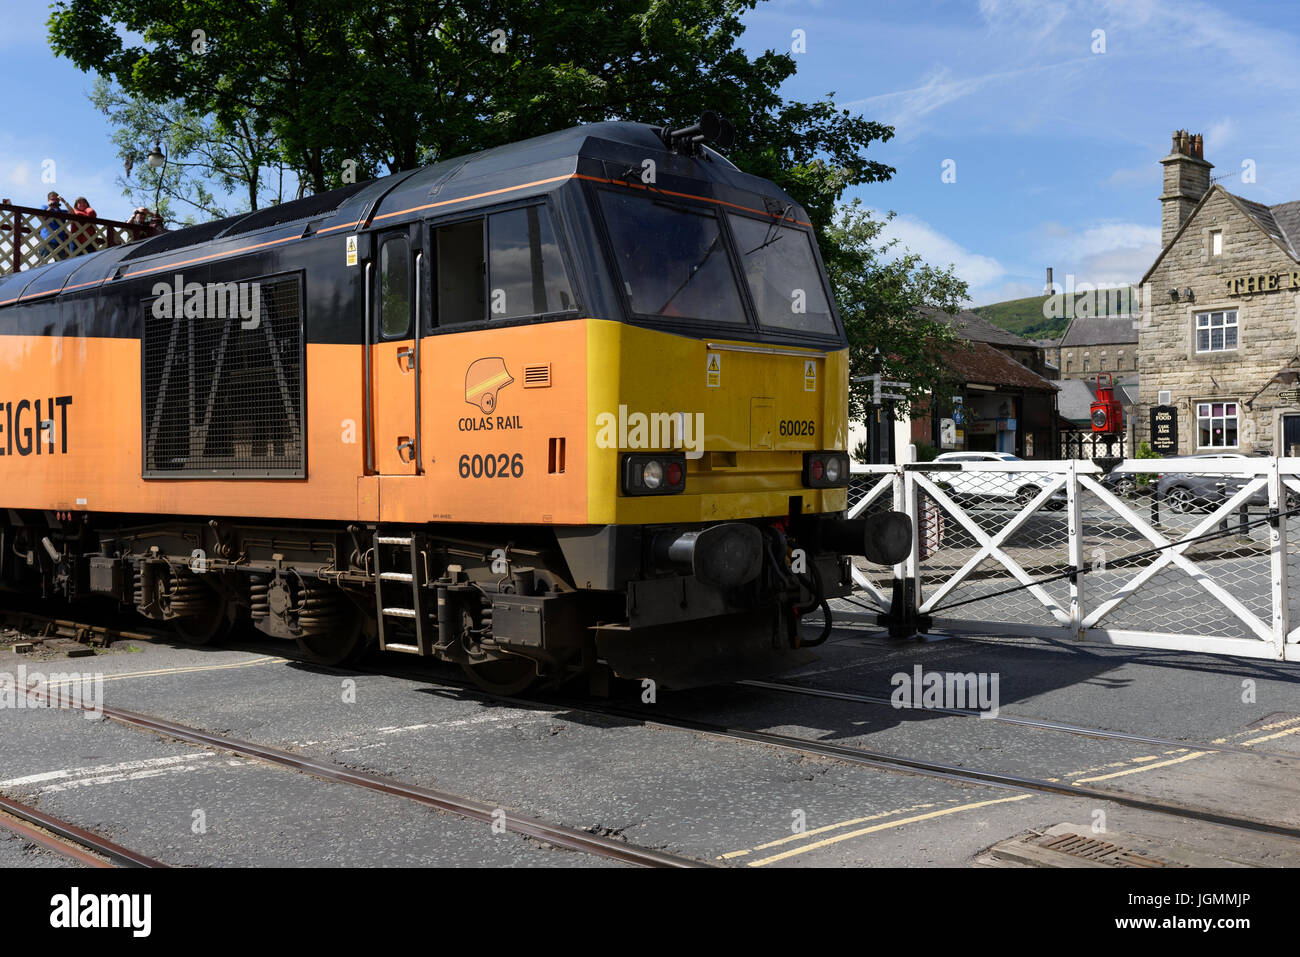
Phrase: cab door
(394,355)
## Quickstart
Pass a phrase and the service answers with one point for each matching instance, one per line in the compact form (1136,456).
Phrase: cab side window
(395,288)
(461,273)
(525,270)
(506,265)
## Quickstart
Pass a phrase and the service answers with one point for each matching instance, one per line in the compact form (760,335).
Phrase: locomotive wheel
(505,676)
(346,642)
(206,628)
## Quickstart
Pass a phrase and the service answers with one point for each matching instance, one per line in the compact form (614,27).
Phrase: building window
(1101,364)
(1216,242)
(1216,331)
(1216,425)
(1069,363)
(1086,362)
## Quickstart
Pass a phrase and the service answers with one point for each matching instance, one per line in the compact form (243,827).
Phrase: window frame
(383,239)
(434,326)
(811,239)
(751,329)
(1209,328)
(1210,403)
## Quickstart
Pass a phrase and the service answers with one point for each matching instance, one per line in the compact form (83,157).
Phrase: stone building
(1093,344)
(1220,331)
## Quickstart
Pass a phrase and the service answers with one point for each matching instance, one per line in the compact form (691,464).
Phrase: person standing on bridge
(83,236)
(56,238)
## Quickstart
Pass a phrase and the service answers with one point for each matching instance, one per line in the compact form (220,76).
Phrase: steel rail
(894,762)
(1023,722)
(68,839)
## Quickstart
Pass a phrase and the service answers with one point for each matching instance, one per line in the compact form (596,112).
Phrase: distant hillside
(1024,317)
(1036,318)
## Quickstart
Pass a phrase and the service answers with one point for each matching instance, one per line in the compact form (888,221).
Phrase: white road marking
(106,773)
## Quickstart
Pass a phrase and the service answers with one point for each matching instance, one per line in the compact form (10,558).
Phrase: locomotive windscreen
(223,380)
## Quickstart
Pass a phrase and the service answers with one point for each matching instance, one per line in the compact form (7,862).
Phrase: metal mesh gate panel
(224,389)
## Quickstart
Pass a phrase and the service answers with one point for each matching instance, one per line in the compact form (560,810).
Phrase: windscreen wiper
(772,234)
(694,271)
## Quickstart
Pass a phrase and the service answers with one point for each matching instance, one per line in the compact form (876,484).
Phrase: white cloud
(1219,135)
(1106,252)
(939,250)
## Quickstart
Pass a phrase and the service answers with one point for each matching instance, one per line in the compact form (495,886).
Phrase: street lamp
(157,159)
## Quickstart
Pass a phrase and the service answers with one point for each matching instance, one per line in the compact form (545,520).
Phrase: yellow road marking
(804,835)
(1270,737)
(880,827)
(1145,767)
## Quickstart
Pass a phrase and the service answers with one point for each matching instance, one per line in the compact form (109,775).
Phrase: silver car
(1006,488)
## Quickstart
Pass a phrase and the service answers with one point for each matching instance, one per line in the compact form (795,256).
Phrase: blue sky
(1055,147)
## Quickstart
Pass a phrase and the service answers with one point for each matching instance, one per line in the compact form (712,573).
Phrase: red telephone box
(1107,414)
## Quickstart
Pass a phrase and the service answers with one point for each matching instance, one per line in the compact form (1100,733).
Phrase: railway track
(1022,722)
(793,743)
(73,842)
(558,835)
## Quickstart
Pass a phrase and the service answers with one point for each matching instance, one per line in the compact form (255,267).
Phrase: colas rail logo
(483,380)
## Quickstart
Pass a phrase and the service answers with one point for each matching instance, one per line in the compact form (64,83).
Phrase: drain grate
(1102,852)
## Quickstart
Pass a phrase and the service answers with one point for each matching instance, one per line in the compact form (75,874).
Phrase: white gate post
(1074,525)
(1277,552)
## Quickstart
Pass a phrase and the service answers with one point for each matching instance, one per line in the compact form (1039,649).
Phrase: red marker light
(816,469)
(674,474)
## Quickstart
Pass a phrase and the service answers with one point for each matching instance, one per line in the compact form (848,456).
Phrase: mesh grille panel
(222,396)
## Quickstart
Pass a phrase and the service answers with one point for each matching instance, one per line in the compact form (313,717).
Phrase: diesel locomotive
(572,406)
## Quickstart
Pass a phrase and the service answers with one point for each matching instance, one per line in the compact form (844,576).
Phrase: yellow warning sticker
(810,376)
(713,371)
(352,250)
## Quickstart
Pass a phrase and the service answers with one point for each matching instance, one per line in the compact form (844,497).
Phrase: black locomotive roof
(516,170)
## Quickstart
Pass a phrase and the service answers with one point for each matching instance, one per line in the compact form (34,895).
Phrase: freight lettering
(34,426)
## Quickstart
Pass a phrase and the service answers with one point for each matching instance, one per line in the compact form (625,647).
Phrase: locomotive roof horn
(710,128)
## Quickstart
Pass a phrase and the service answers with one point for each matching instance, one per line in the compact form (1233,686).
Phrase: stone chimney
(1048,291)
(1187,179)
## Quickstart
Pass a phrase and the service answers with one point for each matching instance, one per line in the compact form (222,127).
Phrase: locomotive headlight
(825,469)
(653,473)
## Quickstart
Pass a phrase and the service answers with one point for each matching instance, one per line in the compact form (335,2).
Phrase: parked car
(1008,488)
(1189,492)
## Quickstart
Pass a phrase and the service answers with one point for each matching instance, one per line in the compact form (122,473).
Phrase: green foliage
(1144,451)
(199,151)
(883,294)
(861,453)
(399,83)
(925,452)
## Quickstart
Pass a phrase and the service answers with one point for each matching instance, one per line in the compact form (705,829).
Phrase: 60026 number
(492,465)
(798,427)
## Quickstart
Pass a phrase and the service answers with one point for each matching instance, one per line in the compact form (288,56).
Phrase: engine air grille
(223,395)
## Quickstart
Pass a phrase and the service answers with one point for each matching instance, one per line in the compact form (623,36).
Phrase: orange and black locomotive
(572,405)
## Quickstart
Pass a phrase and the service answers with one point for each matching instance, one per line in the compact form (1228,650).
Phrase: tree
(886,296)
(399,83)
(201,152)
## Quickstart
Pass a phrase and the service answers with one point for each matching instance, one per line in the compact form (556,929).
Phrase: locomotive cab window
(672,259)
(782,275)
(395,288)
(507,265)
(460,272)
(525,270)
